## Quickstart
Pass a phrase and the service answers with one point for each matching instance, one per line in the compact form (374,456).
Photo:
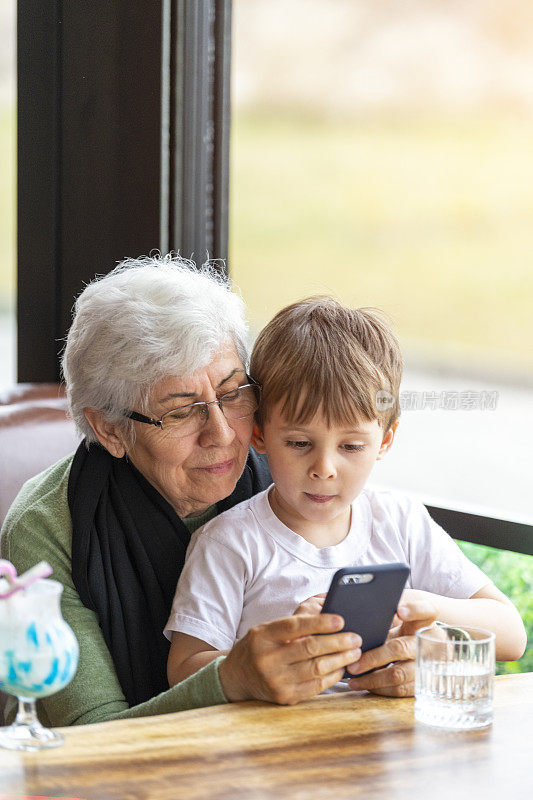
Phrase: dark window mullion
(489,531)
(200,134)
(222,113)
(38,188)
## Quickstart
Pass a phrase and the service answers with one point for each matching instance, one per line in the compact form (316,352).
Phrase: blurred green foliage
(513,575)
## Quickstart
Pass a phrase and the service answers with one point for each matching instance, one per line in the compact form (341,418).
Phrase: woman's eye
(229,396)
(297,445)
(179,413)
(351,448)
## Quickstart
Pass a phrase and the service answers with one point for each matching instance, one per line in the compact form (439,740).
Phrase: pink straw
(17,582)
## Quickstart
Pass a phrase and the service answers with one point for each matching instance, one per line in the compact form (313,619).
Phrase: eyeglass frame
(137,417)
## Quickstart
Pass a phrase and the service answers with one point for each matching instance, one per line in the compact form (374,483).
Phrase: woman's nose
(217,430)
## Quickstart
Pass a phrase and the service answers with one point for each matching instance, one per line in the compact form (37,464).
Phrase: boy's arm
(446,577)
(487,608)
(187,655)
(208,603)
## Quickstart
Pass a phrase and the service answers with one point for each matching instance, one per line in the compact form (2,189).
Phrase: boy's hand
(408,596)
(394,661)
(313,605)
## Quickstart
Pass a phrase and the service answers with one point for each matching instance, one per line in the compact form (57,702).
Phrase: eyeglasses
(238,404)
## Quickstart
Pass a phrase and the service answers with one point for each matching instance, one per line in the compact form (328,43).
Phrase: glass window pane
(7,190)
(382,152)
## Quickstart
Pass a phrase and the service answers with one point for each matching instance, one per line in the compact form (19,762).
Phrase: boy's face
(318,471)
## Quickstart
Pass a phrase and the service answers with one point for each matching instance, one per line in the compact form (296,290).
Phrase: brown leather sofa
(35,431)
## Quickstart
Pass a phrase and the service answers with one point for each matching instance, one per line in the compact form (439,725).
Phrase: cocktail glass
(38,657)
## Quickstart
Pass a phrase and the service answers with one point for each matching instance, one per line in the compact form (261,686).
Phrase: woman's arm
(282,662)
(488,608)
(39,529)
(95,694)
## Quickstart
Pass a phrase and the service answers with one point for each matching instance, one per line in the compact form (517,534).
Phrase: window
(7,191)
(381,152)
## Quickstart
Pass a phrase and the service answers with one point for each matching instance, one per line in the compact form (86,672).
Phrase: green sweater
(38,527)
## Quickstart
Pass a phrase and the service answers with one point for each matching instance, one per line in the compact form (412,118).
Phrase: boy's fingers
(395,680)
(312,605)
(410,628)
(396,621)
(420,611)
(400,648)
(401,690)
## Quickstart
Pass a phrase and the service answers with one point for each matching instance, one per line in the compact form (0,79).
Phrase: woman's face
(198,470)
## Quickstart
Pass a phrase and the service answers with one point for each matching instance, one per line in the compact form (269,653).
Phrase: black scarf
(128,550)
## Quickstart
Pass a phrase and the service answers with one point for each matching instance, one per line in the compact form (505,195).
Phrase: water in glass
(454,677)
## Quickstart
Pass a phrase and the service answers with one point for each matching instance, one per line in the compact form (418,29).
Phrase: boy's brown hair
(318,355)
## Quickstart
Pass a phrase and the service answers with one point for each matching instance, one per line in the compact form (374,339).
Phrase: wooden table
(335,746)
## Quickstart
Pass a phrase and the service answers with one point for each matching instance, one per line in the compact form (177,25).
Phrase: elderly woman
(155,371)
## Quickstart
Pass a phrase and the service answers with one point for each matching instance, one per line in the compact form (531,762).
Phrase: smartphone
(367,599)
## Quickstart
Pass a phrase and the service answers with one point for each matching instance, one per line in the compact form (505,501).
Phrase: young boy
(323,369)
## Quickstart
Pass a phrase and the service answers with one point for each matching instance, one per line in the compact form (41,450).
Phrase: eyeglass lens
(237,404)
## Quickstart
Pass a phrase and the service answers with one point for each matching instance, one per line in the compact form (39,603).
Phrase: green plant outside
(513,575)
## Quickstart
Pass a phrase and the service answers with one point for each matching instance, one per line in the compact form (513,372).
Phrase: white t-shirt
(246,567)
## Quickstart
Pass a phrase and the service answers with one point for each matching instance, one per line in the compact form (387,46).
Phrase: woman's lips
(319,498)
(220,468)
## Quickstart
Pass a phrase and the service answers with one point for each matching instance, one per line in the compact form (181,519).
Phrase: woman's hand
(394,660)
(286,661)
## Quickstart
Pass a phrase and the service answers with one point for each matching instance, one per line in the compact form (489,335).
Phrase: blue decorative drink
(38,657)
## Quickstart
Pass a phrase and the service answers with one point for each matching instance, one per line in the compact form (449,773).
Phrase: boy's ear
(387,440)
(106,433)
(257,439)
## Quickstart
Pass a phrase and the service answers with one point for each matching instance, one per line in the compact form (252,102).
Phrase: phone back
(368,601)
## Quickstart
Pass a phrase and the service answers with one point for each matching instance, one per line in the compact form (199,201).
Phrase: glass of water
(454,676)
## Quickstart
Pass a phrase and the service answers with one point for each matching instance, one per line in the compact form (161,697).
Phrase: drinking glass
(38,656)
(454,676)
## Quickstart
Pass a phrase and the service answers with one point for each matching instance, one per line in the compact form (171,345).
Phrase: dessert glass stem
(26,732)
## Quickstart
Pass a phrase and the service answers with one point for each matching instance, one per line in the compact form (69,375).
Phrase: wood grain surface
(336,746)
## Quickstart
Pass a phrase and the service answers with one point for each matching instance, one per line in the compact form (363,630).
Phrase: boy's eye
(350,448)
(297,445)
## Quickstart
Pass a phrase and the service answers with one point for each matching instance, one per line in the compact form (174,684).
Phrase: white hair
(149,318)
